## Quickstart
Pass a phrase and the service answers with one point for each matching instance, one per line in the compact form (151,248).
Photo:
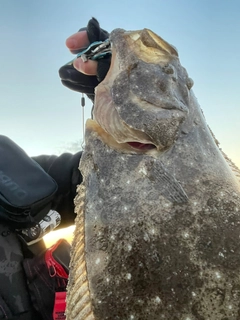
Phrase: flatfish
(158,212)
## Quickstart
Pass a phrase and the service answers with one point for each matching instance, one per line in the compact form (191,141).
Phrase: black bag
(26,190)
(47,278)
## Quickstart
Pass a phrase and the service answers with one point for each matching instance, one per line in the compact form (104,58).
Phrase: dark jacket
(64,170)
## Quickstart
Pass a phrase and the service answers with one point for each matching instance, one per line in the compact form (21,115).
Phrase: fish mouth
(136,146)
(118,133)
(141,146)
(114,130)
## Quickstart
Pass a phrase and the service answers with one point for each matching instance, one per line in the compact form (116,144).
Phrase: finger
(103,67)
(95,33)
(78,87)
(69,74)
(89,67)
(78,41)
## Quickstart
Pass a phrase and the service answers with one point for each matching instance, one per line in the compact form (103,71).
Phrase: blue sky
(42,116)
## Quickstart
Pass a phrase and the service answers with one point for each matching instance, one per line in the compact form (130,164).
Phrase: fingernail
(71,43)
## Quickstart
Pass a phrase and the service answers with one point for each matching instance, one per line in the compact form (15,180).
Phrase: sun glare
(54,236)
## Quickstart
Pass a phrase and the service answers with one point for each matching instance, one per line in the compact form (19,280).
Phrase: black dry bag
(26,190)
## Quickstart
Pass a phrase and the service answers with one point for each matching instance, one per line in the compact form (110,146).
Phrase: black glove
(77,81)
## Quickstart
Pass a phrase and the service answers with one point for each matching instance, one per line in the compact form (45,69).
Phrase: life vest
(14,295)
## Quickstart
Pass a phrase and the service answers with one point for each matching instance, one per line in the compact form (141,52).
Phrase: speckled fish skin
(157,229)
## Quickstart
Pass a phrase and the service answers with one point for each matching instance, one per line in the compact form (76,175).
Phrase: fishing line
(83,120)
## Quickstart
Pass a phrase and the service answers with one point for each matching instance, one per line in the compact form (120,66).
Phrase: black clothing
(64,170)
(14,297)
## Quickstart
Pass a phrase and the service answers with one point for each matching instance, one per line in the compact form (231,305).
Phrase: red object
(59,306)
(54,267)
(57,270)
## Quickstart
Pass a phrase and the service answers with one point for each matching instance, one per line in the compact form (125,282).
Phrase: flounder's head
(145,95)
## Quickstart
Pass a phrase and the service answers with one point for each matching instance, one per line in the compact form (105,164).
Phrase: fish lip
(130,146)
(141,146)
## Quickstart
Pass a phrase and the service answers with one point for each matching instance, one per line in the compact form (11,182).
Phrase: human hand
(85,76)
